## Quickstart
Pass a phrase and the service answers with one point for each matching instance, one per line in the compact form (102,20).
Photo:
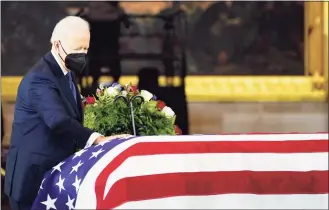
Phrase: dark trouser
(14,205)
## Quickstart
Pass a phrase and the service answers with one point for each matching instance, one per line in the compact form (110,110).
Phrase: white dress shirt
(94,135)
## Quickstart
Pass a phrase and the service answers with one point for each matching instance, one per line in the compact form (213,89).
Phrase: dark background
(246,38)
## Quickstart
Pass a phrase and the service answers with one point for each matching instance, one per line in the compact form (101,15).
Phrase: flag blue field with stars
(60,185)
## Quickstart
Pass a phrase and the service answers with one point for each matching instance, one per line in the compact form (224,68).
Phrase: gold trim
(316,38)
(325,37)
(3,172)
(224,88)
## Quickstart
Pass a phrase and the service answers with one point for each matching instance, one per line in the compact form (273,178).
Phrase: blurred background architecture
(224,67)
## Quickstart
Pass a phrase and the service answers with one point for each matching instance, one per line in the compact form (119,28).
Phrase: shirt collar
(59,63)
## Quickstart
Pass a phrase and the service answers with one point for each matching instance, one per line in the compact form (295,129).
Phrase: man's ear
(56,45)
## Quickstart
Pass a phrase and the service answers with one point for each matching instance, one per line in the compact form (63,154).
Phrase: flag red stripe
(151,148)
(232,147)
(212,183)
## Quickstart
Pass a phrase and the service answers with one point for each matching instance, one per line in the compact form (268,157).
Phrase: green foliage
(149,121)
(110,117)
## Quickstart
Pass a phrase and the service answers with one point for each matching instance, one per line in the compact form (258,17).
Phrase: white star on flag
(58,167)
(60,184)
(95,154)
(76,167)
(69,203)
(103,142)
(76,184)
(78,154)
(49,203)
(41,185)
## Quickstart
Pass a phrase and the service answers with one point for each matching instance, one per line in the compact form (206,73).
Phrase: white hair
(67,26)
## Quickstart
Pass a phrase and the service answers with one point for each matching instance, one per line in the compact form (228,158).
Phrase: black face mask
(76,62)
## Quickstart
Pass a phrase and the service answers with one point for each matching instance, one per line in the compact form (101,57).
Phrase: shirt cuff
(92,139)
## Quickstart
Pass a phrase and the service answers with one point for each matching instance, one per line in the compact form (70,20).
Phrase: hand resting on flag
(110,138)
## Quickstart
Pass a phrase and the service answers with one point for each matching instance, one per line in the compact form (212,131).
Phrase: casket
(247,171)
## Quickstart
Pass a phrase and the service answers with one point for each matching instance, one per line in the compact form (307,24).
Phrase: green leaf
(109,118)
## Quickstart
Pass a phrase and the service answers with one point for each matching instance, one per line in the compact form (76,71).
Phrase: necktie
(72,86)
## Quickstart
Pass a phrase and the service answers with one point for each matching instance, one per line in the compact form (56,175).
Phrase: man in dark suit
(47,126)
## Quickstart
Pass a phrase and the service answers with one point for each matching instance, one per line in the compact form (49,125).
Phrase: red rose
(90,100)
(134,88)
(178,131)
(160,105)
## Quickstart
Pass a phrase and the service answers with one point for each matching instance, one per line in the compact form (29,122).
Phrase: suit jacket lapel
(65,87)
(79,101)
(62,81)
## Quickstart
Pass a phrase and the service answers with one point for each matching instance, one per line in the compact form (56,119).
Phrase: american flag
(247,171)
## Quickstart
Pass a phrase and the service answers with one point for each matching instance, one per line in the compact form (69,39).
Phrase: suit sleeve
(45,99)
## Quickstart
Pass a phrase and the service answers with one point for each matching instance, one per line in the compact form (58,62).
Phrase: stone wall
(215,118)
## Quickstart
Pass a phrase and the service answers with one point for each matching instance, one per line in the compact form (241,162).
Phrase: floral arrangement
(117,109)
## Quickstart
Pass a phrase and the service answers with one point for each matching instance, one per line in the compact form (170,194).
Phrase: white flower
(111,91)
(146,95)
(101,86)
(104,85)
(168,111)
(124,93)
(117,86)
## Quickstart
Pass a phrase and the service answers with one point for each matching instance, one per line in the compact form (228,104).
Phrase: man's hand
(109,138)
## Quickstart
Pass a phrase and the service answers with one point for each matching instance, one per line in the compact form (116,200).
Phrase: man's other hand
(109,138)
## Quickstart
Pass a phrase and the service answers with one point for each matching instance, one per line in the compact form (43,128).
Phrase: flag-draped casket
(255,171)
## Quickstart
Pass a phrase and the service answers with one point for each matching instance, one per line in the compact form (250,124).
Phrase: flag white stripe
(90,178)
(233,201)
(173,163)
(242,137)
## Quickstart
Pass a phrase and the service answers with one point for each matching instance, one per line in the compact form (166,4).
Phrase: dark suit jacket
(47,128)
(2,126)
